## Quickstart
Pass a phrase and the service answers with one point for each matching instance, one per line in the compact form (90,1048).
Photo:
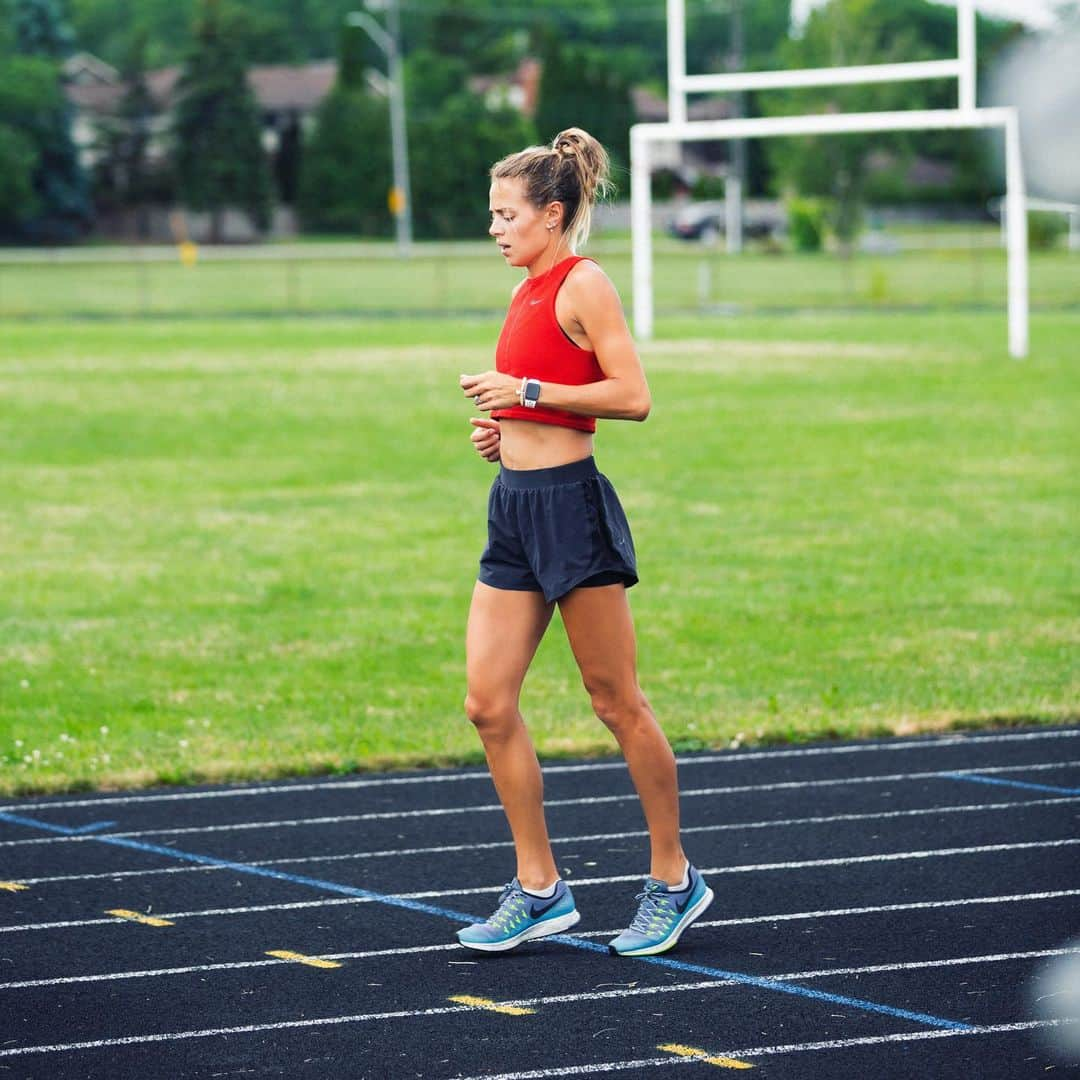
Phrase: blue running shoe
(662,916)
(521,916)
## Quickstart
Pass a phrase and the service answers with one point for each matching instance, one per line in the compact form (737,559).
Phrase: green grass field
(465,278)
(244,548)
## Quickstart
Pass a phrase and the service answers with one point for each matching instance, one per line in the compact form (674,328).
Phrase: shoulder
(587,286)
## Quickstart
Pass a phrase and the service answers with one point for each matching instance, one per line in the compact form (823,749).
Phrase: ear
(554,215)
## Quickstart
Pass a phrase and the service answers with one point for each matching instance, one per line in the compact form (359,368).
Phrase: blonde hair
(573,170)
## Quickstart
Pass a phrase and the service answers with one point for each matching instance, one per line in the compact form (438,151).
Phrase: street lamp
(400,195)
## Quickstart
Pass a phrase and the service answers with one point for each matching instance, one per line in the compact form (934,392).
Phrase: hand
(486,438)
(491,390)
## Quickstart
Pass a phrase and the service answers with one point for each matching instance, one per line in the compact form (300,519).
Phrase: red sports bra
(533,344)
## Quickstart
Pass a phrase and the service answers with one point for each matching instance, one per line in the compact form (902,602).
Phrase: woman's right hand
(486,438)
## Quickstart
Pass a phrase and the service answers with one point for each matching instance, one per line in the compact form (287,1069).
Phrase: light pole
(400,194)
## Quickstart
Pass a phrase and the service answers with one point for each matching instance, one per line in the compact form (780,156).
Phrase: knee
(622,710)
(492,718)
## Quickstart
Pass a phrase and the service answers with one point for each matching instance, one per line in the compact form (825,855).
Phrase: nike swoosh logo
(542,909)
(680,908)
(540,301)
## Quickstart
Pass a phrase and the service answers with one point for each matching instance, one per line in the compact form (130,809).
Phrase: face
(519,228)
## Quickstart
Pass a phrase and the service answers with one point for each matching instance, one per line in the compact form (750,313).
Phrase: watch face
(532,391)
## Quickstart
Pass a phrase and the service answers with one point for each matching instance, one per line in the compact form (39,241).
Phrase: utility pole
(400,197)
(738,146)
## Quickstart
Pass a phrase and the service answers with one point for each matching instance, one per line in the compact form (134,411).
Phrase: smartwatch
(530,393)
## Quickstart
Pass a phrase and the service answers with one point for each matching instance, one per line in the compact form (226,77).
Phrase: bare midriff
(528,445)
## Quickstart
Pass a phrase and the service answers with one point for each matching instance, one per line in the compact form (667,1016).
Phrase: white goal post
(679,129)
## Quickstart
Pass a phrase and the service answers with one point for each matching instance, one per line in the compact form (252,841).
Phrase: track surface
(882,909)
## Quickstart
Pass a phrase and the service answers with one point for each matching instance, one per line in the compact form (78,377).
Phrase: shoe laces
(654,906)
(511,905)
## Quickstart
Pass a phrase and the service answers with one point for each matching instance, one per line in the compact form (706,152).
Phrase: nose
(494,229)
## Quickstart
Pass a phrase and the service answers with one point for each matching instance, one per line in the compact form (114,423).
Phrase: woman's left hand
(491,390)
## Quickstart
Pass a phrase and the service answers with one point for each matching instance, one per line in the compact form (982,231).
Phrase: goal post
(680,129)
(642,135)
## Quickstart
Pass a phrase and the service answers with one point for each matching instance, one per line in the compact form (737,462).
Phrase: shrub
(806,224)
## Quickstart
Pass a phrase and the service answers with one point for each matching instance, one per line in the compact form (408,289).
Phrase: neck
(552,254)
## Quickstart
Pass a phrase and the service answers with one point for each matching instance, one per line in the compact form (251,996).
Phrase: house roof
(277,87)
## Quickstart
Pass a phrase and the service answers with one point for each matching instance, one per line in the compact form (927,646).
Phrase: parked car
(706,221)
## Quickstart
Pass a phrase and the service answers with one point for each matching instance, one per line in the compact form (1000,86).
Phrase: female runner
(557,535)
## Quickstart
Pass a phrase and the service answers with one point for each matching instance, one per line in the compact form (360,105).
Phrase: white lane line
(710,871)
(876,909)
(821,819)
(592,800)
(552,999)
(730,758)
(763,1051)
(328,1021)
(234,965)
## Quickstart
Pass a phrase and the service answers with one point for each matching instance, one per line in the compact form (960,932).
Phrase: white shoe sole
(537,930)
(669,943)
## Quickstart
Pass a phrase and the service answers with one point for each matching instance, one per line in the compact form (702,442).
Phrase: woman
(557,535)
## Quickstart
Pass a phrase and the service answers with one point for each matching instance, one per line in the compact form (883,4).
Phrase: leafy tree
(345,167)
(63,207)
(451,150)
(18,201)
(849,32)
(587,87)
(40,29)
(219,156)
(124,175)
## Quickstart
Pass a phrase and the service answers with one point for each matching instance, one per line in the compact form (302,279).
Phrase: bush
(709,187)
(1045,229)
(806,224)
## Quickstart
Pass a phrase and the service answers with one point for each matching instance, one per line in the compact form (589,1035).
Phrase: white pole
(965,32)
(733,211)
(676,61)
(641,231)
(1016,226)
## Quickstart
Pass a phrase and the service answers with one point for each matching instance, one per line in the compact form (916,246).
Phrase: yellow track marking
(704,1055)
(300,958)
(135,916)
(491,1006)
(13,886)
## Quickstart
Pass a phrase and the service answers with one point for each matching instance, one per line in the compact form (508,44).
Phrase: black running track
(882,909)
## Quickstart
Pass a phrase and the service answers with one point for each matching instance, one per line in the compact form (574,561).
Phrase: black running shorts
(553,530)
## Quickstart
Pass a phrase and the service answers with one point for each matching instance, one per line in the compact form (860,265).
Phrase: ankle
(673,873)
(537,883)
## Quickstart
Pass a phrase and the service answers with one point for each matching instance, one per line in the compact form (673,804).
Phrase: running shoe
(521,916)
(663,914)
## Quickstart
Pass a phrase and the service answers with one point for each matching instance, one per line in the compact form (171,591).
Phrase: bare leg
(505,628)
(601,632)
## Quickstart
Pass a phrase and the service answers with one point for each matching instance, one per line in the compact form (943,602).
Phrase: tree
(219,156)
(587,87)
(851,32)
(17,198)
(454,139)
(124,176)
(345,166)
(59,183)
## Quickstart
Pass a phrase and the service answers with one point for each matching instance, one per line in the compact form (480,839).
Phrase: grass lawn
(467,278)
(244,548)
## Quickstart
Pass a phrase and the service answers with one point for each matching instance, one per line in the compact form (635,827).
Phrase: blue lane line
(458,916)
(92,827)
(977,779)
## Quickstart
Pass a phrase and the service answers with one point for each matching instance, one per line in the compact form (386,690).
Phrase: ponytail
(574,170)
